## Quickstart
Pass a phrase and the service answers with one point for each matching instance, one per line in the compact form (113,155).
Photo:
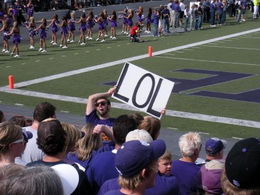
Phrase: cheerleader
(90,24)
(139,14)
(105,15)
(16,39)
(5,28)
(149,20)
(64,32)
(130,21)
(83,27)
(72,28)
(113,22)
(29,10)
(100,20)
(124,24)
(31,26)
(43,34)
(54,23)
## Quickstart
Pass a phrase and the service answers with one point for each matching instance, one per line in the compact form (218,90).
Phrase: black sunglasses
(100,103)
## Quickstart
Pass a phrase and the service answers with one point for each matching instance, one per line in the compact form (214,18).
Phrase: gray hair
(41,180)
(190,142)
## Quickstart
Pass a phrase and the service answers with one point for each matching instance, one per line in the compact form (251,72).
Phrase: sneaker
(16,56)
(6,51)
(68,40)
(40,49)
(43,51)
(87,37)
(97,39)
(54,43)
(103,40)
(105,35)
(61,45)
(113,37)
(90,38)
(243,20)
(64,47)
(12,54)
(82,43)
(3,50)
(72,41)
(31,47)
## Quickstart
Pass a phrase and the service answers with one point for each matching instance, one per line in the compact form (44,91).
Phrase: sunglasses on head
(100,103)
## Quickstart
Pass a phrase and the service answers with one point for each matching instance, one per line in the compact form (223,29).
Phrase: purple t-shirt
(94,119)
(101,169)
(187,176)
(163,186)
(114,192)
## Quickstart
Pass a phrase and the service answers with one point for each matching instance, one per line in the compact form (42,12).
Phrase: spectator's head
(165,163)
(51,137)
(136,162)
(139,134)
(138,117)
(152,125)
(121,127)
(73,135)
(9,170)
(43,111)
(88,142)
(33,180)
(214,148)
(103,106)
(242,168)
(2,117)
(18,120)
(11,141)
(190,145)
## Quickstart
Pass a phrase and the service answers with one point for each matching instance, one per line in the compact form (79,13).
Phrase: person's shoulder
(35,163)
(114,192)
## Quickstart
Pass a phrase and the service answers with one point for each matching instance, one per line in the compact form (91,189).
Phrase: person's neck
(105,117)
(59,157)
(35,125)
(188,159)
(6,160)
(137,191)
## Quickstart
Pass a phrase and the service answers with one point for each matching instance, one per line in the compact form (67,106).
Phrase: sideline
(225,120)
(187,115)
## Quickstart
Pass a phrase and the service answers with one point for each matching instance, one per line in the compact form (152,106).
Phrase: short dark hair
(43,111)
(122,126)
(51,137)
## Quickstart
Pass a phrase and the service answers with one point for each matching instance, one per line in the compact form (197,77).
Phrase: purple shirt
(163,186)
(94,119)
(187,176)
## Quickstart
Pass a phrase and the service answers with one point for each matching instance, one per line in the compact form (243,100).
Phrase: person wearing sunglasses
(12,142)
(97,112)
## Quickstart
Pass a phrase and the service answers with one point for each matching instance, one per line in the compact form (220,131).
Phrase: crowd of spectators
(50,157)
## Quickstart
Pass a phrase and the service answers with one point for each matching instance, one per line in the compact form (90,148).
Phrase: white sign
(143,90)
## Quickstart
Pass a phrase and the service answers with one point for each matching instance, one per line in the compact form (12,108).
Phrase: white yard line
(187,115)
(237,48)
(211,61)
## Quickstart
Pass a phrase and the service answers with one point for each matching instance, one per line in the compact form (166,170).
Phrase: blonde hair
(72,135)
(136,180)
(230,189)
(88,143)
(166,156)
(190,142)
(8,133)
(152,125)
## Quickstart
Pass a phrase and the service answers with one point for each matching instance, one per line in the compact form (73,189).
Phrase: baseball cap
(27,135)
(243,164)
(135,155)
(214,145)
(139,134)
(69,177)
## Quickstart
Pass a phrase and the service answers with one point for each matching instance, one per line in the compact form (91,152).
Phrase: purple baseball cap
(135,155)
(27,135)
(214,145)
(243,164)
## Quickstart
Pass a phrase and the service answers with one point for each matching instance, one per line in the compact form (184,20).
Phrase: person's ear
(144,173)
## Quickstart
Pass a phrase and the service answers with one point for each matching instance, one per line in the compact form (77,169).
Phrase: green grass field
(234,55)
